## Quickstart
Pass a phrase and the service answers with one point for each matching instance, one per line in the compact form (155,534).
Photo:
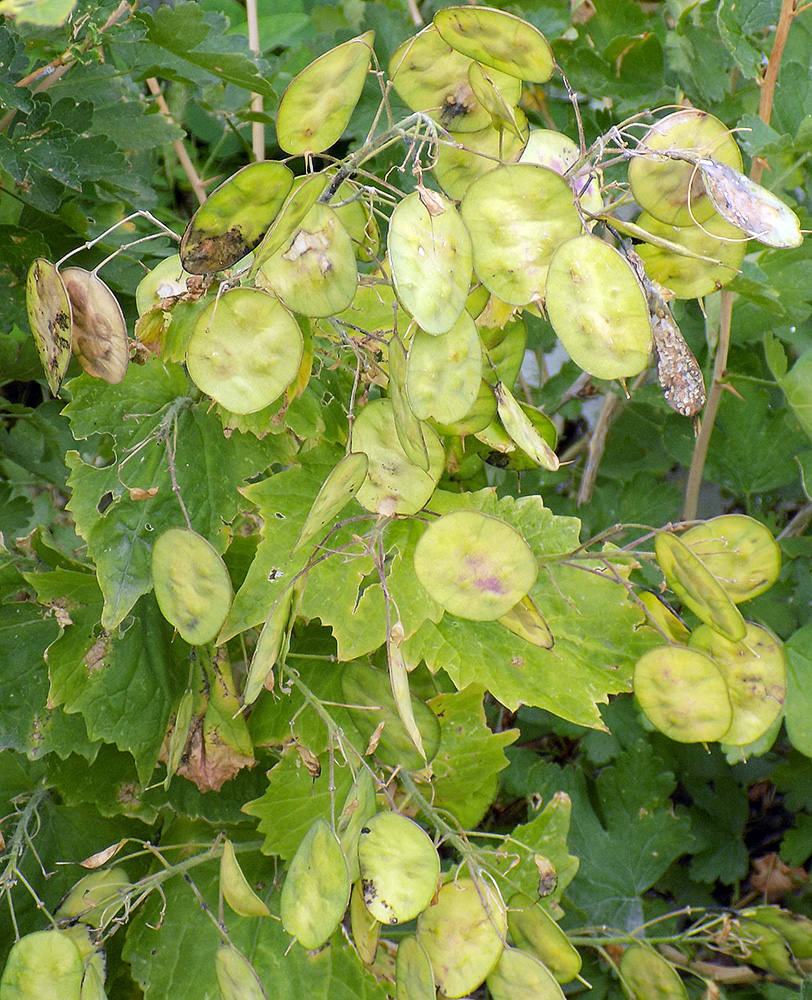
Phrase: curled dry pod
(394,484)
(525,620)
(671,189)
(517,216)
(476,154)
(359,805)
(368,693)
(534,930)
(755,671)
(235,217)
(474,565)
(683,694)
(236,977)
(497,39)
(245,350)
(766,949)
(558,152)
(99,330)
(315,272)
(647,974)
(414,979)
(318,103)
(192,585)
(521,976)
(316,888)
(340,486)
(598,309)
(366,930)
(49,315)
(45,965)
(794,928)
(443,373)
(697,587)
(754,209)
(431,259)
(740,552)
(96,898)
(399,867)
(428,75)
(463,934)
(522,430)
(235,888)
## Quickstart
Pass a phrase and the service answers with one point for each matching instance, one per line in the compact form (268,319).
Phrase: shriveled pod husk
(192,585)
(521,976)
(477,153)
(443,373)
(429,75)
(245,350)
(534,930)
(414,978)
(671,189)
(315,272)
(318,103)
(474,565)
(683,694)
(647,974)
(49,315)
(497,39)
(399,867)
(44,965)
(235,217)
(518,215)
(236,976)
(598,309)
(756,674)
(98,329)
(558,152)
(697,587)
(740,551)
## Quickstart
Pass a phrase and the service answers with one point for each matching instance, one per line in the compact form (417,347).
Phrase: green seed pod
(503,116)
(794,928)
(366,930)
(474,565)
(521,976)
(359,805)
(647,975)
(340,486)
(92,985)
(476,154)
(235,888)
(399,867)
(558,152)
(463,934)
(93,956)
(697,587)
(164,281)
(318,103)
(676,631)
(235,217)
(245,350)
(192,585)
(525,620)
(766,949)
(45,965)
(414,979)
(672,190)
(236,977)
(99,330)
(534,930)
(598,309)
(407,426)
(96,898)
(755,671)
(301,199)
(477,418)
(443,374)
(522,431)
(497,39)
(505,347)
(683,693)
(49,314)
(316,889)
(269,646)
(740,552)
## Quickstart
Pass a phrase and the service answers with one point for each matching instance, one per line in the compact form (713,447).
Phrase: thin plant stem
(257,105)
(180,149)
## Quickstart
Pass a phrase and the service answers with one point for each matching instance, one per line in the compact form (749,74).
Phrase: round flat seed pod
(235,217)
(372,309)
(245,350)
(647,974)
(96,898)
(697,587)
(356,217)
(463,934)
(236,977)
(99,330)
(517,216)
(497,39)
(431,259)
(740,552)
(598,309)
(399,867)
(394,484)
(318,103)
(49,314)
(336,492)
(558,152)
(534,930)
(476,154)
(314,273)
(164,281)
(45,965)
(414,978)
(368,692)
(428,75)
(192,585)
(474,565)
(303,197)
(443,374)
(476,419)
(672,190)
(756,674)
(316,888)
(521,976)
(683,693)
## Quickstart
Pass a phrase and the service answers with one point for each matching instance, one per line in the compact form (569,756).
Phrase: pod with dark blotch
(521,976)
(236,976)
(49,315)
(741,553)
(497,39)
(98,330)
(414,979)
(359,805)
(645,973)
(366,930)
(534,930)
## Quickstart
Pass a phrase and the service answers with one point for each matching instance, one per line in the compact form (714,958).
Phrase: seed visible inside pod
(99,330)
(49,314)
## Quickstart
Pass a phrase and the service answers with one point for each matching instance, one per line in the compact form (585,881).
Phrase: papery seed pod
(49,315)
(236,976)
(235,888)
(740,552)
(45,965)
(98,328)
(521,976)
(648,976)
(534,930)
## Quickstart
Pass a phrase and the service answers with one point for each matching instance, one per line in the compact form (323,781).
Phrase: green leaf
(738,23)
(798,704)
(797,386)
